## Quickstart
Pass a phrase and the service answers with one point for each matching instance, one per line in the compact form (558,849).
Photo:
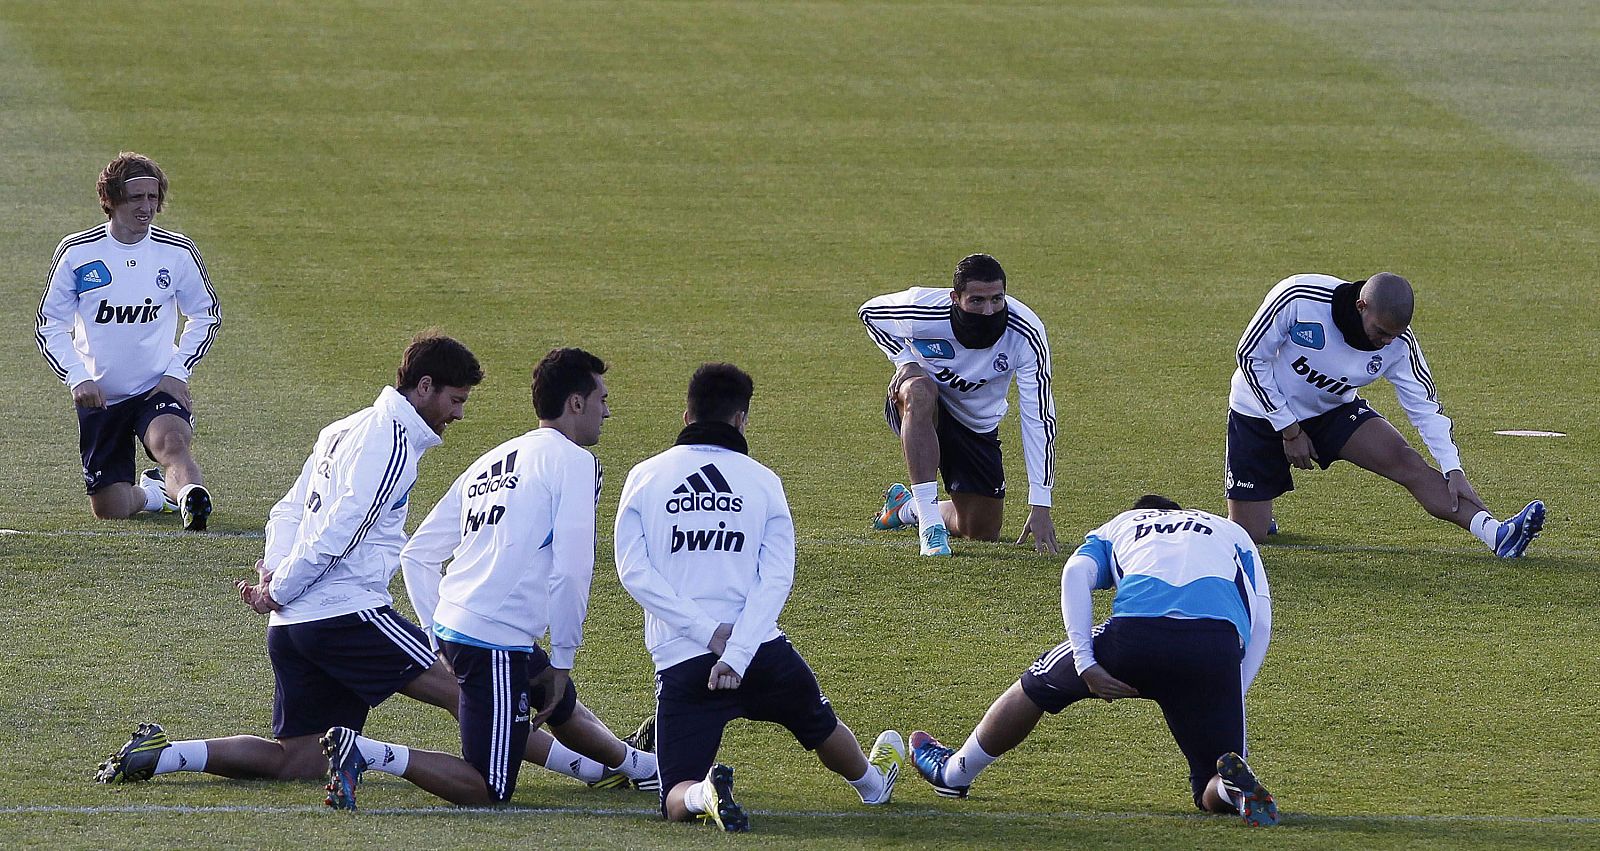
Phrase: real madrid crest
(1375,364)
(163,279)
(1000,363)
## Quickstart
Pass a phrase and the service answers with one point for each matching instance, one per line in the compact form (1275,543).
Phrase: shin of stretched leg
(584,733)
(1008,722)
(253,758)
(842,754)
(1378,447)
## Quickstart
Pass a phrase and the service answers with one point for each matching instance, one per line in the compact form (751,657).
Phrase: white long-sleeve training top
(110,311)
(333,541)
(1295,363)
(1174,564)
(704,537)
(518,530)
(913,326)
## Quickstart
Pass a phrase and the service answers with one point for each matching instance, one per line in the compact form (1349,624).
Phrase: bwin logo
(1335,386)
(1142,529)
(956,382)
(499,475)
(706,490)
(707,540)
(126,314)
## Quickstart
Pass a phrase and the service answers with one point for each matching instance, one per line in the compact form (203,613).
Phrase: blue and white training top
(1166,563)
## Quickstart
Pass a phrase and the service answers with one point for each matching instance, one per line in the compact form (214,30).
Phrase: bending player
(1312,344)
(1189,629)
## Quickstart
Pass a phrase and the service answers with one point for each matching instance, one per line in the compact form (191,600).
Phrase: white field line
(882,541)
(132,533)
(875,814)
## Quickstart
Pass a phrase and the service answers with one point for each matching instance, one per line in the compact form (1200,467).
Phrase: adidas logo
(92,276)
(388,754)
(705,490)
(183,762)
(575,765)
(499,475)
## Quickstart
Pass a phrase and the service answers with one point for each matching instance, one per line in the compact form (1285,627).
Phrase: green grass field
(666,183)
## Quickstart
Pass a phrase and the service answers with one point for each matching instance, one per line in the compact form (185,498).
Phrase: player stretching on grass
(106,326)
(333,543)
(1189,628)
(955,353)
(704,542)
(1314,341)
(518,530)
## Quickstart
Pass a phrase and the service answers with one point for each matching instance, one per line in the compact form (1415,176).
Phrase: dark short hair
(448,362)
(718,391)
(977,267)
(560,374)
(113,181)
(1156,501)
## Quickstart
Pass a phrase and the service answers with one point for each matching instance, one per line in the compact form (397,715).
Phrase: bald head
(1388,297)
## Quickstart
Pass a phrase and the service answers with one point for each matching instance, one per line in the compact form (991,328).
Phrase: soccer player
(1189,629)
(1312,344)
(518,529)
(705,543)
(333,541)
(956,353)
(107,326)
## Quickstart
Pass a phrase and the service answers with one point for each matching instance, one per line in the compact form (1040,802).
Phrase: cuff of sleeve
(702,631)
(738,658)
(1282,418)
(77,375)
(563,657)
(1084,662)
(1039,494)
(176,370)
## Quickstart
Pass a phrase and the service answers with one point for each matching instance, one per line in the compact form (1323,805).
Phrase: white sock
(965,764)
(382,756)
(1485,527)
(564,760)
(155,496)
(694,800)
(638,764)
(870,786)
(907,512)
(183,756)
(925,496)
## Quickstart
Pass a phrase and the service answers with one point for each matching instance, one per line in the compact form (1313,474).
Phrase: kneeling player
(1189,629)
(705,543)
(518,530)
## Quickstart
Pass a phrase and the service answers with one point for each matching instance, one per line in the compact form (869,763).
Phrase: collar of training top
(1348,318)
(716,434)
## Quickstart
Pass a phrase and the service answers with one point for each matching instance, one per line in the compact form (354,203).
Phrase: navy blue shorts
(105,436)
(497,706)
(969,460)
(1256,468)
(778,687)
(1190,668)
(329,672)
